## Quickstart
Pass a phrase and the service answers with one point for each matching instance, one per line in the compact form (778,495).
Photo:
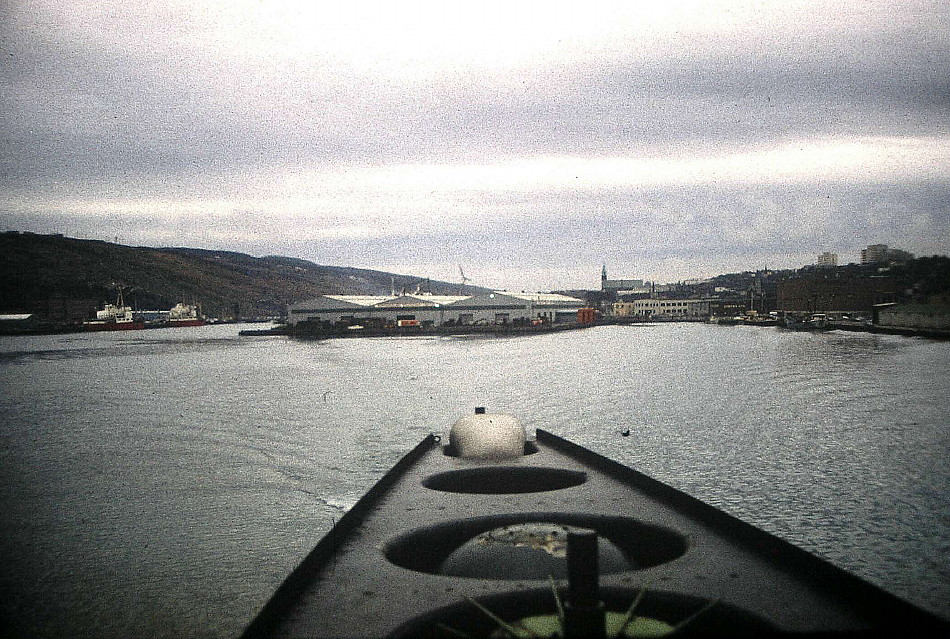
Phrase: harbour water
(163,483)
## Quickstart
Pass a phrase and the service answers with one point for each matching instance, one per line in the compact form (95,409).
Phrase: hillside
(37,269)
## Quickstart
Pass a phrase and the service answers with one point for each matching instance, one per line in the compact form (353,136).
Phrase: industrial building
(853,295)
(913,316)
(500,307)
(690,309)
(681,309)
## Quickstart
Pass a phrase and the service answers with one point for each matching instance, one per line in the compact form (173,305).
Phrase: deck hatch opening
(497,480)
(531,545)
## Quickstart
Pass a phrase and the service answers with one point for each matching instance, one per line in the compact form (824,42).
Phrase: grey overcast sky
(528,142)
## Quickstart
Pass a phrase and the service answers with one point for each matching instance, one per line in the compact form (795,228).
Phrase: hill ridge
(36,270)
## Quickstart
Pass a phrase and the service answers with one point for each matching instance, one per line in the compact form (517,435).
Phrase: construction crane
(464,280)
(418,287)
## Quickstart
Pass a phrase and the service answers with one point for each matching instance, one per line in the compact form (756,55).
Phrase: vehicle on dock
(489,532)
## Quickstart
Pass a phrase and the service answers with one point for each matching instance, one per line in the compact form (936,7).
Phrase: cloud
(206,86)
(399,126)
(644,232)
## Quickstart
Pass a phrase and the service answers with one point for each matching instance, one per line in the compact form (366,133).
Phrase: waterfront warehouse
(500,307)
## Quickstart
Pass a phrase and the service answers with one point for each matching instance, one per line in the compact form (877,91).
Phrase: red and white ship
(114,317)
(184,315)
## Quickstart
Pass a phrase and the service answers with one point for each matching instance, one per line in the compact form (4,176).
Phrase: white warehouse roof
(542,298)
(360,300)
(500,306)
(422,299)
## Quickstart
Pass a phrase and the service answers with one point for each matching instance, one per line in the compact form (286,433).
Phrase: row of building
(851,295)
(846,291)
(423,309)
(499,307)
(502,307)
(688,309)
(873,254)
(843,296)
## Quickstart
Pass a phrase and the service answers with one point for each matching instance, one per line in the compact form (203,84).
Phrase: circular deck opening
(529,546)
(466,619)
(491,480)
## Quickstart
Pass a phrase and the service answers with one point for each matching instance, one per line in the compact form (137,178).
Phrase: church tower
(603,278)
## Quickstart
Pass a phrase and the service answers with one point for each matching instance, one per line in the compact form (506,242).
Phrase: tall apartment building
(828,259)
(880,253)
(874,254)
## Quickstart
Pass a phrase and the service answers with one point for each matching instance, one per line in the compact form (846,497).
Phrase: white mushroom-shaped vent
(487,436)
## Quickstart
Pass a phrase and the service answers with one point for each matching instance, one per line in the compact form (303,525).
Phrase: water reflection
(163,485)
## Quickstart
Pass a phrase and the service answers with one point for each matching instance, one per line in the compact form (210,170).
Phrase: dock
(324,331)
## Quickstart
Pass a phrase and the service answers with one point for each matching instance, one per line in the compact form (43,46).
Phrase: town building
(913,316)
(817,294)
(731,307)
(620,286)
(69,311)
(18,323)
(828,259)
(874,254)
(670,309)
(688,309)
(499,307)
(882,254)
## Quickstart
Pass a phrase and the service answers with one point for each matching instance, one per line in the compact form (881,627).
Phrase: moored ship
(813,322)
(114,317)
(184,315)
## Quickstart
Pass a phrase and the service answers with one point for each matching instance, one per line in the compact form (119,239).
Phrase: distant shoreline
(503,330)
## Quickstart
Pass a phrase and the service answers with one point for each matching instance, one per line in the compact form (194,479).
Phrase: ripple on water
(183,476)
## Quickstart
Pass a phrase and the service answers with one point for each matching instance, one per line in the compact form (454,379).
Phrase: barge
(491,533)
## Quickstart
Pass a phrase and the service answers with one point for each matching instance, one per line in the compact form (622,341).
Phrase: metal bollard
(583,610)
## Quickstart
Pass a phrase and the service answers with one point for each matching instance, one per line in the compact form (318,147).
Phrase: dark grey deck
(685,553)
